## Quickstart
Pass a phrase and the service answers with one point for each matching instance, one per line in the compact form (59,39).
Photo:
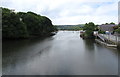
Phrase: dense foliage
(22,25)
(12,27)
(101,32)
(118,30)
(89,28)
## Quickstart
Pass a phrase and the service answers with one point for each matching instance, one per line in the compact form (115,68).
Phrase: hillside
(69,27)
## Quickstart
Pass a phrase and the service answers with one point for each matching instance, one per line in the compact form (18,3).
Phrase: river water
(62,54)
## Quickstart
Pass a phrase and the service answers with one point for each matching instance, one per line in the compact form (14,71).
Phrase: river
(62,54)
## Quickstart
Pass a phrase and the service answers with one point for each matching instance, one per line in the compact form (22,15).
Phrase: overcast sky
(69,11)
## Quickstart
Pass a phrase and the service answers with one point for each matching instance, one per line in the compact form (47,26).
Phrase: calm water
(63,54)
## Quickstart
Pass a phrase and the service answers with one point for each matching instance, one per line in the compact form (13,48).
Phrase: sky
(69,12)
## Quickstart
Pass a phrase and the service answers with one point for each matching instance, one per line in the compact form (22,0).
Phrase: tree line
(69,27)
(24,25)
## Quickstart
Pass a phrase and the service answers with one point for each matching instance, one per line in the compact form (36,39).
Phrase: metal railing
(113,38)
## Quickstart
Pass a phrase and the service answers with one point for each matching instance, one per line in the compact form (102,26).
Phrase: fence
(113,38)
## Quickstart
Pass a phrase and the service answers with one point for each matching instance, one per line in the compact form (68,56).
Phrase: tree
(119,24)
(106,23)
(112,23)
(118,30)
(89,28)
(12,27)
(22,25)
(36,24)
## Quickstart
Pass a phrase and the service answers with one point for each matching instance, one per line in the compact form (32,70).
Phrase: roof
(107,27)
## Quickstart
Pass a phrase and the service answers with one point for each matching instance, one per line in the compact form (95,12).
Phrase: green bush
(118,30)
(101,32)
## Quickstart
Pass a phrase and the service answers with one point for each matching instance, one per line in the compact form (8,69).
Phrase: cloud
(108,9)
(84,19)
(69,11)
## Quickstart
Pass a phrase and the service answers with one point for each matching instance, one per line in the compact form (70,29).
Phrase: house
(107,27)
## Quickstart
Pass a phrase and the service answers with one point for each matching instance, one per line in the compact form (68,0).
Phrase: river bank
(31,37)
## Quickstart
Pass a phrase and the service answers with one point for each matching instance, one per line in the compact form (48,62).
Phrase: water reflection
(89,44)
(63,54)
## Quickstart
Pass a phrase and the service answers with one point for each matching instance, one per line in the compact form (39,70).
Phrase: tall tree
(21,24)
(12,27)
